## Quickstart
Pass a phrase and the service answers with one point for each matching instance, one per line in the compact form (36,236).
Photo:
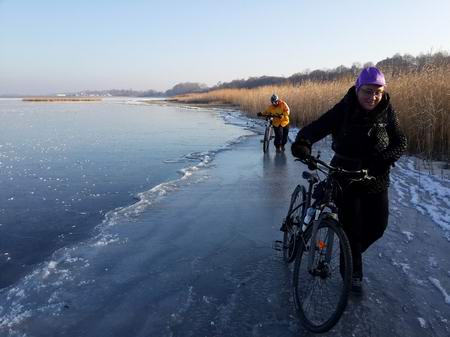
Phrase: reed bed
(423,104)
(422,100)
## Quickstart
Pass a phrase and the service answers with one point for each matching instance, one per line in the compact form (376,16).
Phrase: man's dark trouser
(364,217)
(281,135)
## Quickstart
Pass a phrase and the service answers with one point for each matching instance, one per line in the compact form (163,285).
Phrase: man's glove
(378,167)
(300,150)
(259,114)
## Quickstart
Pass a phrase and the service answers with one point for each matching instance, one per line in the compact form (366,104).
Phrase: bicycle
(315,240)
(268,134)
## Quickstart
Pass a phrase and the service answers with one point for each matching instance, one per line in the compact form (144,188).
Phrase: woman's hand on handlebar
(260,114)
(311,162)
(354,175)
(301,151)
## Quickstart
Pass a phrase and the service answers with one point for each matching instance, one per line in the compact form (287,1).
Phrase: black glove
(300,150)
(378,167)
(259,114)
(312,165)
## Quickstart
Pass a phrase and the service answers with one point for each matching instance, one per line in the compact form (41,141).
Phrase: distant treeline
(179,89)
(119,92)
(393,66)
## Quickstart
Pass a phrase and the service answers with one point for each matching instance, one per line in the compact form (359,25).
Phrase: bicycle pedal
(277,245)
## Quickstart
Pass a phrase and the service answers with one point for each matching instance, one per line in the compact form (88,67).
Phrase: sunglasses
(371,93)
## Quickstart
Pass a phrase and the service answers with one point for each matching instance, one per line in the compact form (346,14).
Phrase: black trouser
(364,218)
(281,135)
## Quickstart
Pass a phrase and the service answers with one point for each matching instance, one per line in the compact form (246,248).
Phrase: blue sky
(59,46)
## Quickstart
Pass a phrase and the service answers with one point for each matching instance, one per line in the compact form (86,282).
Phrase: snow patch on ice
(409,236)
(16,316)
(207,299)
(429,194)
(106,240)
(404,266)
(432,261)
(49,268)
(422,322)
(438,285)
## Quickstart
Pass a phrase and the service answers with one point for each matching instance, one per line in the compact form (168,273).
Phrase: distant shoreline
(61,99)
(193,103)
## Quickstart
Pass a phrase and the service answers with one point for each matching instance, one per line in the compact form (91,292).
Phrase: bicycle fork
(322,247)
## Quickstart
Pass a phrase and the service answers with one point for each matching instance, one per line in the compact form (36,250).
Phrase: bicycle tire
(267,137)
(293,219)
(304,281)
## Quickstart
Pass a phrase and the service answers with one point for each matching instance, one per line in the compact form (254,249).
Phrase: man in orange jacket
(280,110)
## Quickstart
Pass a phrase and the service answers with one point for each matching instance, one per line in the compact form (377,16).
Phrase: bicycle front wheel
(293,223)
(267,137)
(322,276)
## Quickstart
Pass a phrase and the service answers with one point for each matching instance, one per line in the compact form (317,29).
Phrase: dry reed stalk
(423,103)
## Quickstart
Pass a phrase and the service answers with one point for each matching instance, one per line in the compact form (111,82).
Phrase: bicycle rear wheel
(293,223)
(321,292)
(267,137)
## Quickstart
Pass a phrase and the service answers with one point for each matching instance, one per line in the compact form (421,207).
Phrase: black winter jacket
(361,138)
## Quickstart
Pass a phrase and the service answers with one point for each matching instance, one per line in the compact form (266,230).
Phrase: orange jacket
(281,110)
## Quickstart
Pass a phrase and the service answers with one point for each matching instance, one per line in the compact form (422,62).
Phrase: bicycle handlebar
(271,116)
(315,163)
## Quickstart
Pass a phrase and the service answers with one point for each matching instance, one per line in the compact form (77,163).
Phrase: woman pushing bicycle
(366,135)
(280,110)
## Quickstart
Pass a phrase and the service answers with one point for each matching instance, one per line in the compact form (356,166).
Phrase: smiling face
(369,95)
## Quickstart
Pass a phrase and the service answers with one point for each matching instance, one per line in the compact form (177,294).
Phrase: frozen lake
(174,228)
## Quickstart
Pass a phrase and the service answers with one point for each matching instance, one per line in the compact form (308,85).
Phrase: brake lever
(312,164)
(366,176)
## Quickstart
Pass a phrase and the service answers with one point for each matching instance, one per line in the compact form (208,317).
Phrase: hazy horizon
(53,47)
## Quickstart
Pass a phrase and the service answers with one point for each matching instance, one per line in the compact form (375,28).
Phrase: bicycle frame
(323,207)
(267,133)
(319,248)
(269,122)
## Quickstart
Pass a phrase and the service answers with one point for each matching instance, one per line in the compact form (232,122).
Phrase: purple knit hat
(370,75)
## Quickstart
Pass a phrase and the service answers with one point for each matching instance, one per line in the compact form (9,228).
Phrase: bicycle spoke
(294,216)
(321,293)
